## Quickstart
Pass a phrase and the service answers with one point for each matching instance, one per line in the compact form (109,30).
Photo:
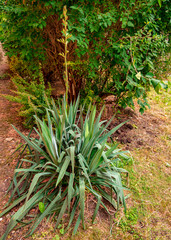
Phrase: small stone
(140,142)
(8,139)
(118,131)
(129,140)
(129,126)
(167,164)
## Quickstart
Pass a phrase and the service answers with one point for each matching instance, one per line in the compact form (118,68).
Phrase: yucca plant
(69,158)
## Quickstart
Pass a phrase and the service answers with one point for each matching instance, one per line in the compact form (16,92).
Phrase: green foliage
(69,159)
(56,237)
(20,67)
(128,222)
(113,47)
(122,43)
(33,96)
(41,207)
(130,219)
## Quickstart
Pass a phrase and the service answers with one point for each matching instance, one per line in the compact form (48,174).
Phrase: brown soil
(141,130)
(9,139)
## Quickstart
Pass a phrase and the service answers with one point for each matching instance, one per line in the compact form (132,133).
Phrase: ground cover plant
(33,97)
(69,158)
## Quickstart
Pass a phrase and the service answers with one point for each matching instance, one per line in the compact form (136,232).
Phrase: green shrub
(33,96)
(20,68)
(69,159)
(112,50)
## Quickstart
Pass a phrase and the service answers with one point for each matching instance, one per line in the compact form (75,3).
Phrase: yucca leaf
(14,204)
(72,155)
(46,135)
(55,112)
(110,149)
(92,116)
(61,131)
(77,224)
(34,182)
(97,208)
(26,170)
(55,148)
(63,210)
(17,186)
(87,148)
(45,212)
(105,136)
(99,198)
(73,213)
(32,144)
(107,163)
(29,161)
(81,118)
(96,124)
(72,133)
(70,190)
(107,197)
(63,169)
(86,130)
(61,156)
(82,161)
(70,114)
(96,159)
(22,212)
(82,198)
(76,105)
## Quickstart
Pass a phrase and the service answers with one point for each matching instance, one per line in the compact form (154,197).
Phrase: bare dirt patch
(3,62)
(9,139)
(139,130)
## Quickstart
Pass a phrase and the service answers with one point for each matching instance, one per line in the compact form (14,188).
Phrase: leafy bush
(33,96)
(112,50)
(69,159)
(20,67)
